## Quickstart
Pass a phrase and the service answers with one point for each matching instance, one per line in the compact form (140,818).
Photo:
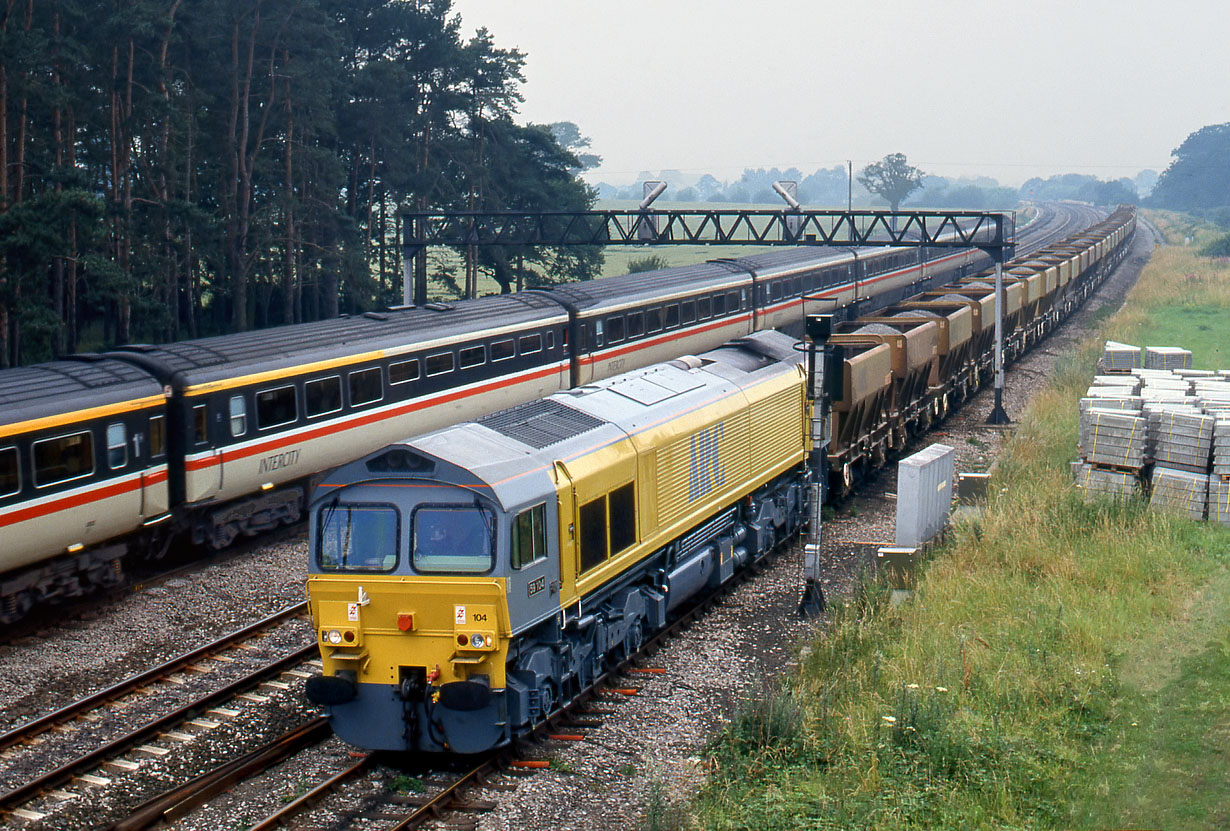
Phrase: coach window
(365,386)
(323,395)
(533,343)
(593,533)
(550,339)
(358,537)
(653,320)
(200,424)
(529,537)
(502,350)
(614,329)
(276,407)
(157,436)
(63,458)
(117,445)
(403,371)
(719,305)
(439,363)
(472,356)
(10,474)
(636,325)
(239,416)
(623,518)
(703,309)
(672,316)
(687,310)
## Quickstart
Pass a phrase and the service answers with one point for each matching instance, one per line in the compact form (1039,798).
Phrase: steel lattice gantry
(992,231)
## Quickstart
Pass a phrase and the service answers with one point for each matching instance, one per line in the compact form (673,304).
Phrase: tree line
(173,169)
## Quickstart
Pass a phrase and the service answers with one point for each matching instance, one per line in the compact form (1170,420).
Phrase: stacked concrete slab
(1219,499)
(1167,357)
(1114,438)
(1120,356)
(1097,481)
(1179,491)
(1180,438)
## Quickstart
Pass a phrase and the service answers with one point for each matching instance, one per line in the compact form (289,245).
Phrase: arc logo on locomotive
(705,471)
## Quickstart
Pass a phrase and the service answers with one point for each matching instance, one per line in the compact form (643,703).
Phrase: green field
(1062,664)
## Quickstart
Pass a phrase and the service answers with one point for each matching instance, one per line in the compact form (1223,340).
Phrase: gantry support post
(819,328)
(998,415)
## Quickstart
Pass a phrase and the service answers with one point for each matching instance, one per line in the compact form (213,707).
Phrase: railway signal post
(819,327)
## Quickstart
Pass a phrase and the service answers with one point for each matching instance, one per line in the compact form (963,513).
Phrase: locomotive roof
(400,330)
(500,448)
(60,388)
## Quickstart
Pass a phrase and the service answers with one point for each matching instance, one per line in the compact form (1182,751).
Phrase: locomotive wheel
(546,697)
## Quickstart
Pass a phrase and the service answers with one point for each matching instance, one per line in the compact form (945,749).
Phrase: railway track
(446,797)
(72,747)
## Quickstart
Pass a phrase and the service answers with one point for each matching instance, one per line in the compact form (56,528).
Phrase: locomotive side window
(452,539)
(593,533)
(365,386)
(63,458)
(440,363)
(472,356)
(157,436)
(239,416)
(623,517)
(276,407)
(117,445)
(323,395)
(200,424)
(502,350)
(403,371)
(529,537)
(10,475)
(358,537)
(533,343)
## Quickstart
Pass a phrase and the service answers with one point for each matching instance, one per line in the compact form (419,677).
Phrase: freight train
(104,456)
(465,583)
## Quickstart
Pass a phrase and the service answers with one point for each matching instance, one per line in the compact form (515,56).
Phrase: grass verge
(1062,664)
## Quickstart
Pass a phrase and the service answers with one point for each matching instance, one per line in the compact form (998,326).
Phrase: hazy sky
(1006,89)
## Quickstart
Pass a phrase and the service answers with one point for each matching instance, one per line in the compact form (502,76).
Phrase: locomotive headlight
(335,637)
(477,641)
(488,641)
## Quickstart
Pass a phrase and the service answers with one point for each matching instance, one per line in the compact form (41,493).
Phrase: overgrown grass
(1003,693)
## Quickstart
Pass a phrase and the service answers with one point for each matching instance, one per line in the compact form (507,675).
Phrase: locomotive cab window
(452,539)
(10,474)
(276,407)
(365,386)
(323,395)
(358,537)
(117,445)
(239,416)
(63,458)
(529,537)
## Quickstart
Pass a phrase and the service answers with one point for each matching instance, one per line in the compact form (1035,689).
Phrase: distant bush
(1219,247)
(654,262)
